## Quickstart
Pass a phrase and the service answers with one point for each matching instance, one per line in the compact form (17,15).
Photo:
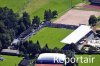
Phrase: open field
(76,17)
(51,36)
(95,63)
(61,6)
(37,7)
(10,60)
(16,5)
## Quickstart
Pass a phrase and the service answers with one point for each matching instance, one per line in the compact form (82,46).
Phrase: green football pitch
(51,36)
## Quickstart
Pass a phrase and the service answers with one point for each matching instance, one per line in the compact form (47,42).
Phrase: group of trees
(48,15)
(11,25)
(30,48)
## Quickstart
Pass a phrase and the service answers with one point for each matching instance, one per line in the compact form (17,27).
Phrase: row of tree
(30,48)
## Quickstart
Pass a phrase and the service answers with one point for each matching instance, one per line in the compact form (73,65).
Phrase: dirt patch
(76,17)
(80,5)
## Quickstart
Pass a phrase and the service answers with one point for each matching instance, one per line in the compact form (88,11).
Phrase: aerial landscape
(49,32)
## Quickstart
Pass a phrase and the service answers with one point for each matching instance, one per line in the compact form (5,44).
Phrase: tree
(26,20)
(38,45)
(0,45)
(92,20)
(36,21)
(45,49)
(2,27)
(30,48)
(73,47)
(47,15)
(54,13)
(22,27)
(11,25)
(50,14)
(56,50)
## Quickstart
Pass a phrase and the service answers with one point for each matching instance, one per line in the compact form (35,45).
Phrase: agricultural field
(37,7)
(10,60)
(95,63)
(51,36)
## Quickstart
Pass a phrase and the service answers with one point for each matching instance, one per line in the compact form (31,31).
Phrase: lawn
(95,63)
(37,7)
(16,5)
(51,36)
(10,60)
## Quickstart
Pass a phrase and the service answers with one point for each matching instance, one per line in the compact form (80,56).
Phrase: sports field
(10,60)
(51,36)
(95,63)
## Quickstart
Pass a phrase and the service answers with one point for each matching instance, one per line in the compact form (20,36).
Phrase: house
(15,41)
(10,52)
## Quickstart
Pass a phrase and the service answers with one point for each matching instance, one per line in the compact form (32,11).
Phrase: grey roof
(10,51)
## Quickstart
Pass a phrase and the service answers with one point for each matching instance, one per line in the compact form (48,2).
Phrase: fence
(54,25)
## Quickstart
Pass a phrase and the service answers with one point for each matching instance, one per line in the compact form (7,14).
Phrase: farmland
(10,60)
(51,36)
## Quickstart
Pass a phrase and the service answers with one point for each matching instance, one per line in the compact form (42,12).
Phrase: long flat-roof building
(81,32)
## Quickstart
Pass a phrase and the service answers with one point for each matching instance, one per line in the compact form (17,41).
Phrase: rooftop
(77,35)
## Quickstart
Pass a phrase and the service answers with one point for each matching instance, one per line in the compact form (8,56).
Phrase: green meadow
(96,60)
(37,7)
(16,5)
(10,60)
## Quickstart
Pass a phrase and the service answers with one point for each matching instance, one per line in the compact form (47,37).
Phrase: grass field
(51,36)
(95,63)
(16,5)
(10,60)
(37,7)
